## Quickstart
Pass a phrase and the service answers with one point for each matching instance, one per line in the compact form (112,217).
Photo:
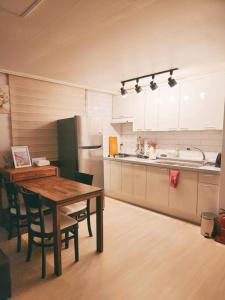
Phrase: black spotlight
(138,88)
(123,91)
(153,84)
(171,81)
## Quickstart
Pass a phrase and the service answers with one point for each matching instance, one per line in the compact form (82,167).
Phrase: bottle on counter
(152,154)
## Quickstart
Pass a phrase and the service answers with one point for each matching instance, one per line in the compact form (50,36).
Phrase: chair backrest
(12,196)
(83,178)
(35,214)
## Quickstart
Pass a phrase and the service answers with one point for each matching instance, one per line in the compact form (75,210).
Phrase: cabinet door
(192,105)
(107,174)
(115,176)
(139,111)
(123,107)
(151,109)
(157,187)
(208,198)
(139,184)
(202,103)
(127,181)
(214,101)
(168,108)
(183,198)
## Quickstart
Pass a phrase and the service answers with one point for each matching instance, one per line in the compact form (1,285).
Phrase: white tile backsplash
(208,141)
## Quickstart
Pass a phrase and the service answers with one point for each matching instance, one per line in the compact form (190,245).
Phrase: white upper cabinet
(139,111)
(202,103)
(151,109)
(214,98)
(123,106)
(195,104)
(168,108)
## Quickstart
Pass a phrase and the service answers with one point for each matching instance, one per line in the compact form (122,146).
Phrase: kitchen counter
(142,161)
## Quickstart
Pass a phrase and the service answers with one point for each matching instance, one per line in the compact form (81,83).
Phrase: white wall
(99,105)
(209,141)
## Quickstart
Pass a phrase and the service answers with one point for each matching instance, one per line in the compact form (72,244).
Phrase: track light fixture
(171,81)
(138,88)
(153,84)
(123,91)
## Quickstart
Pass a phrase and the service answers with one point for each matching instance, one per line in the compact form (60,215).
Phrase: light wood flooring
(147,256)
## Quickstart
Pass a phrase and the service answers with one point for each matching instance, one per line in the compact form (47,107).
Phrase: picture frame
(21,156)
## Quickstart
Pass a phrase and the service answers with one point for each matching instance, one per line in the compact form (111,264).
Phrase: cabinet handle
(163,169)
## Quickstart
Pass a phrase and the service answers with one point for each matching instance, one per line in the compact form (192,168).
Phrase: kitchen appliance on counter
(113,146)
(80,148)
(218,161)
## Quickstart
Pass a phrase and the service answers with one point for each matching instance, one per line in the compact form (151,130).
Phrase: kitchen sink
(180,163)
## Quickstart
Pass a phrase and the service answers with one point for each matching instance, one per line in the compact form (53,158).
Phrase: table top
(59,189)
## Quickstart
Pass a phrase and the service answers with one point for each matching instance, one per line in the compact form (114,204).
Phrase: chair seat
(23,211)
(65,222)
(74,208)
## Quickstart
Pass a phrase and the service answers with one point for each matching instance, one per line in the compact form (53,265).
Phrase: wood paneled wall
(35,107)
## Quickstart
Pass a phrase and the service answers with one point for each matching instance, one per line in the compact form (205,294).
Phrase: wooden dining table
(57,192)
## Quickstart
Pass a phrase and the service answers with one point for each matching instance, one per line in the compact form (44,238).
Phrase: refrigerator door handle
(90,147)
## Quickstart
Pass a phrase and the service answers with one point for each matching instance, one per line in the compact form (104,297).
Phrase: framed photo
(21,156)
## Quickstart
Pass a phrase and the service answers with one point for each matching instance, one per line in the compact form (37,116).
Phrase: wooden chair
(41,226)
(81,210)
(17,213)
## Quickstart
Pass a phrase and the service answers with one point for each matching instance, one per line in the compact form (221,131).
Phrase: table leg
(99,222)
(57,241)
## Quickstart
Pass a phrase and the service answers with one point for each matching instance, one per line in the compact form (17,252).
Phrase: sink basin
(181,163)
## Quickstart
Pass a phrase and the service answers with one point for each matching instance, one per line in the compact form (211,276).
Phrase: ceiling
(98,43)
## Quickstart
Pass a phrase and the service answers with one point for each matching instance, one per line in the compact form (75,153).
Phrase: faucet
(203,153)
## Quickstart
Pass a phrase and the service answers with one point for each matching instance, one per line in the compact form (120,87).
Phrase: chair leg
(43,272)
(30,247)
(89,218)
(67,239)
(18,236)
(10,228)
(76,242)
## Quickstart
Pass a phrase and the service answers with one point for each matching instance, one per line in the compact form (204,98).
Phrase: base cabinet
(107,170)
(157,188)
(149,186)
(183,198)
(139,180)
(127,181)
(208,198)
(115,176)
(134,183)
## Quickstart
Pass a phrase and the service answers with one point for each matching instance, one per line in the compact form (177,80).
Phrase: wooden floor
(147,256)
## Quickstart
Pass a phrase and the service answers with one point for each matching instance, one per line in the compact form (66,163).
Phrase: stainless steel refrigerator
(80,148)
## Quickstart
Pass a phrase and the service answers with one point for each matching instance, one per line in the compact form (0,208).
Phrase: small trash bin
(207,224)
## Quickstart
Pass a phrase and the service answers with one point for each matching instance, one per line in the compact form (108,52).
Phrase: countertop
(135,160)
